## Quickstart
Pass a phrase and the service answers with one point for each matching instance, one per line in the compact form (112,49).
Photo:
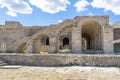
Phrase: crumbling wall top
(13,24)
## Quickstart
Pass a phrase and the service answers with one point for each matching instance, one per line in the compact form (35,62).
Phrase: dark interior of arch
(86,41)
(65,41)
(91,36)
(45,40)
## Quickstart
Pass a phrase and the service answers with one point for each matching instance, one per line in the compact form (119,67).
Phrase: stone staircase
(3,62)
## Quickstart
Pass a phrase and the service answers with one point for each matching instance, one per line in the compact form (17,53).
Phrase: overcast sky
(46,12)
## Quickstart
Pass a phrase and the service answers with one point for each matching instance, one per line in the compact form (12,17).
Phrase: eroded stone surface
(72,35)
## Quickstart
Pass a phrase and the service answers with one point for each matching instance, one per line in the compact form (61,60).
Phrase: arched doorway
(45,40)
(91,35)
(65,41)
(41,43)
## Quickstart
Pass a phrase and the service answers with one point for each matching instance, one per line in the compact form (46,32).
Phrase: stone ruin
(82,34)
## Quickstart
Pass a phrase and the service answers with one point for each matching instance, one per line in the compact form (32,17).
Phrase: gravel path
(60,73)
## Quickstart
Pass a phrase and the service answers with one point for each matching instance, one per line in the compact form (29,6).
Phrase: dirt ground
(60,73)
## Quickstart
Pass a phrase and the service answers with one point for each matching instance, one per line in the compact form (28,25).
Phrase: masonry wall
(108,39)
(11,36)
(62,59)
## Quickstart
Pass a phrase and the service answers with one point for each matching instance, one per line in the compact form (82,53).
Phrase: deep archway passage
(91,35)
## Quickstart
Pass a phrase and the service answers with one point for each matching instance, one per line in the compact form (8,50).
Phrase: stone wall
(12,36)
(13,24)
(62,59)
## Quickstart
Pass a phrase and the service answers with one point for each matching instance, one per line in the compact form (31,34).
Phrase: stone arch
(41,43)
(91,33)
(63,38)
(45,40)
(22,48)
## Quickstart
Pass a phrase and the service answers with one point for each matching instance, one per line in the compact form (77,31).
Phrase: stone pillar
(108,40)
(29,46)
(53,43)
(76,39)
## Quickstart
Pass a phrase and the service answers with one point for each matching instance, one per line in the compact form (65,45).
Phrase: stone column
(29,46)
(108,39)
(53,43)
(76,40)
